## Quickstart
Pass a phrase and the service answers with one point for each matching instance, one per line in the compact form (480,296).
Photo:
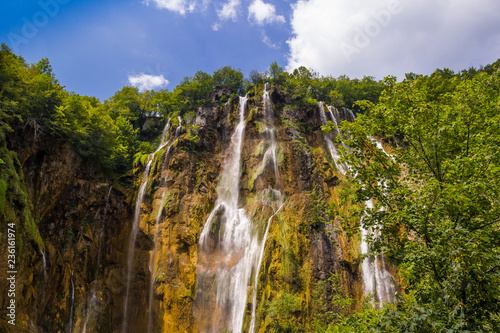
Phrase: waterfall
(152,265)
(231,248)
(178,129)
(135,223)
(93,291)
(274,196)
(377,281)
(232,254)
(278,197)
(328,139)
(155,239)
(229,184)
(72,304)
(44,263)
(268,112)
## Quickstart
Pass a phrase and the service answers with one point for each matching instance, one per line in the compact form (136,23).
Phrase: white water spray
(231,277)
(278,198)
(274,196)
(44,263)
(329,142)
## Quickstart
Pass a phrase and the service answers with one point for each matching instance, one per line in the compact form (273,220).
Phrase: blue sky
(96,47)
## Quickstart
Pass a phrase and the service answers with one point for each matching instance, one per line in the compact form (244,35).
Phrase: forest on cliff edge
(436,193)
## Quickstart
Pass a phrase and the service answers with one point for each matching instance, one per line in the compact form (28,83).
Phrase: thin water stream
(377,281)
(135,223)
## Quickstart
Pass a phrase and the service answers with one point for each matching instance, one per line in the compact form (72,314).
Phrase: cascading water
(232,273)
(178,129)
(135,224)
(268,112)
(93,291)
(72,304)
(230,242)
(377,281)
(152,261)
(275,196)
(329,142)
(275,199)
(44,263)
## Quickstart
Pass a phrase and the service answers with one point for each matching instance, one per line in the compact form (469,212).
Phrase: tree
(437,197)
(256,77)
(228,77)
(277,74)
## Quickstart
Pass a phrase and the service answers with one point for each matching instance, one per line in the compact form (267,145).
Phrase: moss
(200,172)
(252,115)
(16,207)
(261,148)
(254,174)
(3,191)
(317,207)
(289,124)
(261,128)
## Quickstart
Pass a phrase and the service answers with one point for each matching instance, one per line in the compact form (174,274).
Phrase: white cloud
(229,11)
(266,40)
(263,13)
(383,37)
(147,82)
(178,6)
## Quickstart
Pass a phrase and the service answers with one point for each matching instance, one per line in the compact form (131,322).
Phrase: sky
(98,46)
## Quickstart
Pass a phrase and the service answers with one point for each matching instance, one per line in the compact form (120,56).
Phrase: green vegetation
(440,193)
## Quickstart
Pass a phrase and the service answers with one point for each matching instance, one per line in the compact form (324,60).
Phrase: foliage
(305,86)
(317,207)
(282,314)
(229,77)
(439,192)
(30,94)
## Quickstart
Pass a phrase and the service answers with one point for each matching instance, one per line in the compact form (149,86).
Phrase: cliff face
(67,197)
(74,278)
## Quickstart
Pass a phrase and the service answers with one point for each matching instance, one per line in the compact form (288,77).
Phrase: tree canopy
(437,196)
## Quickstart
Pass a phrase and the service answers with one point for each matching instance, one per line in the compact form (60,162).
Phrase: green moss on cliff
(14,202)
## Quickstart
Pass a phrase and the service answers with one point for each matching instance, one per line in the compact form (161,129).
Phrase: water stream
(275,196)
(377,281)
(329,142)
(230,254)
(274,199)
(231,248)
(72,303)
(135,223)
(152,261)
(44,263)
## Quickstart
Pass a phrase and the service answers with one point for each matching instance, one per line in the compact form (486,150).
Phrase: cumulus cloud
(263,13)
(147,81)
(229,11)
(178,6)
(383,37)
